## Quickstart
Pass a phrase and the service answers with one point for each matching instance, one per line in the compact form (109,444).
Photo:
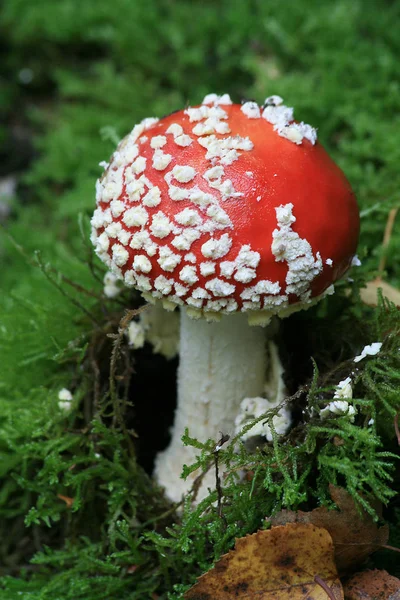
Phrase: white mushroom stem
(220,364)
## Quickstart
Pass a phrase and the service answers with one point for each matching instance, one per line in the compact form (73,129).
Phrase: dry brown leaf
(355,536)
(278,564)
(372,585)
(369,294)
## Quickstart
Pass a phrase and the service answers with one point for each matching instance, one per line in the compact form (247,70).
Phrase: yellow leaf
(369,294)
(354,533)
(279,564)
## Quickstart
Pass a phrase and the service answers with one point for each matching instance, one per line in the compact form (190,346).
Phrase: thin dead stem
(319,581)
(386,240)
(396,427)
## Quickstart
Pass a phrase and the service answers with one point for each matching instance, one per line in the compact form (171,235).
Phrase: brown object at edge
(372,585)
(278,564)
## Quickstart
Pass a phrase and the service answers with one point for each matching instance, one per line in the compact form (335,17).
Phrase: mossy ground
(94,69)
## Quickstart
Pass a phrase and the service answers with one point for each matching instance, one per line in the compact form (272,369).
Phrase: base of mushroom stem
(165,473)
(220,365)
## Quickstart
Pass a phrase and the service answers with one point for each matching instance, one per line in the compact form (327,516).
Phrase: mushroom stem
(220,364)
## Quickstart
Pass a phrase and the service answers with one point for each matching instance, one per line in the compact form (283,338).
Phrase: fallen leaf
(355,535)
(278,564)
(372,585)
(369,294)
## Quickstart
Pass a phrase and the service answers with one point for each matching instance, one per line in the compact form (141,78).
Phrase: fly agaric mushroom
(234,213)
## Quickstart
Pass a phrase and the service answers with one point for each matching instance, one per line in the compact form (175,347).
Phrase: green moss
(97,69)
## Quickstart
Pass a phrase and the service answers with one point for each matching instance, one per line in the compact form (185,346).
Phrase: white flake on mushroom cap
(141,264)
(281,117)
(168,260)
(183,140)
(161,160)
(183,173)
(251,110)
(225,149)
(217,248)
(160,225)
(135,217)
(188,275)
(158,141)
(119,255)
(152,198)
(215,99)
(141,240)
(188,216)
(287,246)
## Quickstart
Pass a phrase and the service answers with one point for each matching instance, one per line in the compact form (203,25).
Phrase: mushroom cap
(225,207)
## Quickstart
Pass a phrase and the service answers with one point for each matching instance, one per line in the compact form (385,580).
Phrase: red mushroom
(231,211)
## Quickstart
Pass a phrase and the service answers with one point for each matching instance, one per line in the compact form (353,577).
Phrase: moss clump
(79,514)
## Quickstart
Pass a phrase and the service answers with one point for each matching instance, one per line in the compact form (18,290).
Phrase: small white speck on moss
(136,335)
(370,350)
(344,389)
(65,400)
(340,408)
(253,408)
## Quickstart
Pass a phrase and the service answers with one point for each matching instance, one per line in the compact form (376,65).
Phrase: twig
(319,581)
(396,427)
(393,548)
(198,481)
(96,384)
(45,268)
(117,405)
(75,302)
(123,325)
(89,248)
(224,438)
(386,240)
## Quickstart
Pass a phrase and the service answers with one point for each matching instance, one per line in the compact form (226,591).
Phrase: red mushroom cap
(226,207)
